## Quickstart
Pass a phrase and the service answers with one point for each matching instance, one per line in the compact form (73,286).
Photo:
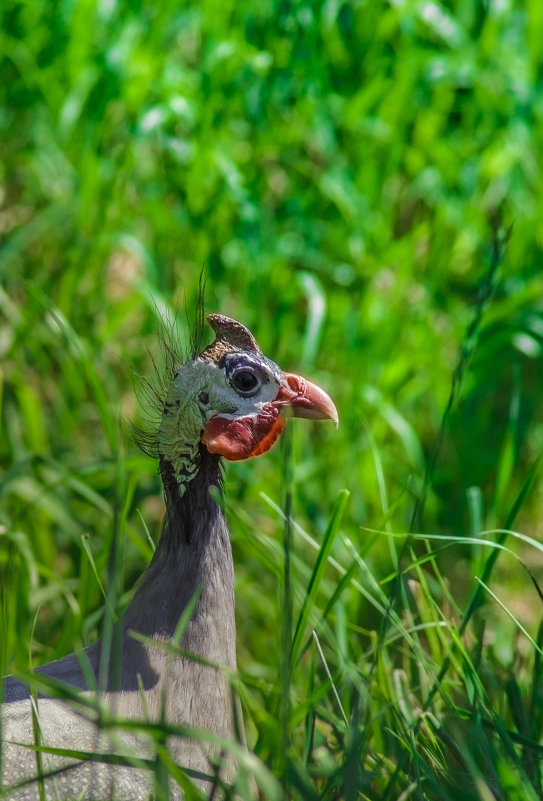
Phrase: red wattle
(245,436)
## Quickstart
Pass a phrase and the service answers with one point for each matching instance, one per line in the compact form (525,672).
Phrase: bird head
(233,400)
(250,395)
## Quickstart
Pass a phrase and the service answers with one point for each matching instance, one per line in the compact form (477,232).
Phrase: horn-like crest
(232,332)
(230,335)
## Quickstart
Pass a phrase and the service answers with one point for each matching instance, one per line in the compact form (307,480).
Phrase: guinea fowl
(227,401)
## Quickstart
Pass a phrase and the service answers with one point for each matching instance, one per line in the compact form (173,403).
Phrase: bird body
(225,402)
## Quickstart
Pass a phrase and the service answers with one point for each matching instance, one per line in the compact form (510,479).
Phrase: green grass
(343,170)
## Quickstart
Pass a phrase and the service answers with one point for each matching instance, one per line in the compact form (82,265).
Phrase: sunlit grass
(343,171)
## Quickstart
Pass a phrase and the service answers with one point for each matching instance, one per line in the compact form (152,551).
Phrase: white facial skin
(201,390)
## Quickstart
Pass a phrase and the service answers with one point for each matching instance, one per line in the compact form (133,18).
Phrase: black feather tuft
(198,325)
(151,392)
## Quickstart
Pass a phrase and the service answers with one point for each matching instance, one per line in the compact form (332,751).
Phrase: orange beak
(305,399)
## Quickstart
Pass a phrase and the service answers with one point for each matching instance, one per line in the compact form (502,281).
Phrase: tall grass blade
(318,571)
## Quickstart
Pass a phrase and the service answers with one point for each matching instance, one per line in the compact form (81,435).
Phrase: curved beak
(305,399)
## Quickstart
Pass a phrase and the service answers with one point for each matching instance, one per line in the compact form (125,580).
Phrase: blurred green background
(342,170)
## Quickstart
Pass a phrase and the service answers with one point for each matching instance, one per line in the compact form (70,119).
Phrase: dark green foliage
(344,170)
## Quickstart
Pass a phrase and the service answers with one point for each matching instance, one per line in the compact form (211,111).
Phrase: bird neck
(193,555)
(192,562)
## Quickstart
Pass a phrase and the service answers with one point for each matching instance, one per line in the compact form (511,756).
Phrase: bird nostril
(293,382)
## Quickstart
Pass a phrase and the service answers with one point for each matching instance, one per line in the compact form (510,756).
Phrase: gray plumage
(194,556)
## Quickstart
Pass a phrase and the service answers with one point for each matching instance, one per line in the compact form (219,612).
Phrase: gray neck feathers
(194,538)
(193,557)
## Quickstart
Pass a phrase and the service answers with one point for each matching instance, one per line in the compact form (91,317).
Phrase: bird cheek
(229,438)
(268,435)
(243,437)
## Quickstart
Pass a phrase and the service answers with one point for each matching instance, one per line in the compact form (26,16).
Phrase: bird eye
(245,381)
